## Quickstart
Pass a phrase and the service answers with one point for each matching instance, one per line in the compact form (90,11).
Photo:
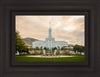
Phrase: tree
(54,48)
(45,48)
(20,45)
(78,48)
(81,49)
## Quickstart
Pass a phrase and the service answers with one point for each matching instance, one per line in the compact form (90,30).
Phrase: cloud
(64,27)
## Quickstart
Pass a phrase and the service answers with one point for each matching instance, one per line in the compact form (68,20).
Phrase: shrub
(58,53)
(36,53)
(41,52)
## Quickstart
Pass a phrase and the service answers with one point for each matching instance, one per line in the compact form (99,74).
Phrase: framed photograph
(49,39)
(61,40)
(33,45)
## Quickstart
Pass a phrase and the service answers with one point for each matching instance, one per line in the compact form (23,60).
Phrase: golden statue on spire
(49,24)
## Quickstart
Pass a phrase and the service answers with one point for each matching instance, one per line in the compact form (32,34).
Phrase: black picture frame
(90,68)
(45,12)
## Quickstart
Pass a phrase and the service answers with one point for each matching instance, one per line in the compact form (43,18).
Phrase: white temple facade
(49,42)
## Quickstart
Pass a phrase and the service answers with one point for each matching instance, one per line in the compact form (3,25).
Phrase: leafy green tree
(75,48)
(78,48)
(81,49)
(20,45)
(45,48)
(54,48)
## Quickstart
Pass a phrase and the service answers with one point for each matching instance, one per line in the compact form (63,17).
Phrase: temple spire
(50,35)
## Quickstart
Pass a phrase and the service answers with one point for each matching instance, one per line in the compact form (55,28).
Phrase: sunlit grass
(59,59)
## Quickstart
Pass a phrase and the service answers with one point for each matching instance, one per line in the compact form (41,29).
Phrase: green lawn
(60,59)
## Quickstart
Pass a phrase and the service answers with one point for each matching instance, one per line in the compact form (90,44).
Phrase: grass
(60,59)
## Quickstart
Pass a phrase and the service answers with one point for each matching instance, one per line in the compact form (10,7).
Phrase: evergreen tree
(20,45)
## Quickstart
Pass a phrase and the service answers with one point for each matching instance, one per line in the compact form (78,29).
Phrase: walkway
(47,56)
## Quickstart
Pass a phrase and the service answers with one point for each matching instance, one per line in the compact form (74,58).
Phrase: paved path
(47,56)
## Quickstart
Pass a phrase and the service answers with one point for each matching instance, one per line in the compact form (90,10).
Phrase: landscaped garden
(26,53)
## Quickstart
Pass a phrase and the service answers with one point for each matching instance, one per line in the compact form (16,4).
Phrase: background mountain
(28,41)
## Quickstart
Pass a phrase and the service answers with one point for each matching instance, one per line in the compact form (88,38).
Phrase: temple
(49,42)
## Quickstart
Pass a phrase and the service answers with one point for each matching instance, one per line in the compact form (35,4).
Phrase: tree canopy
(20,45)
(78,48)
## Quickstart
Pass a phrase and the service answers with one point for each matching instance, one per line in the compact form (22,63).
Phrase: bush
(36,53)
(41,52)
(58,53)
(66,53)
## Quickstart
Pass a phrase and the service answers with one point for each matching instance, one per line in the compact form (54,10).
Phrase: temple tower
(50,35)
(50,40)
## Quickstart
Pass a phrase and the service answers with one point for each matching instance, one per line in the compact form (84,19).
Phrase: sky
(69,28)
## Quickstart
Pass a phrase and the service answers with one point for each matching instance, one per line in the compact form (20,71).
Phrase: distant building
(49,42)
